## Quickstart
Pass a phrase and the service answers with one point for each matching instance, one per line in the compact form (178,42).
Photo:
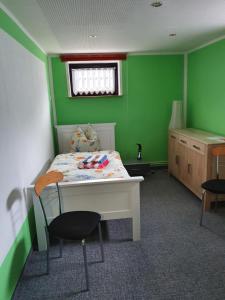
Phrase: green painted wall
(142,114)
(153,83)
(13,263)
(206,88)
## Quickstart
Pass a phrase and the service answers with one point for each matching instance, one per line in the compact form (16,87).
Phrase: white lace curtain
(95,80)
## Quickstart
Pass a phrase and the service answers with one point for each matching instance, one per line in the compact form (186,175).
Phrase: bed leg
(135,200)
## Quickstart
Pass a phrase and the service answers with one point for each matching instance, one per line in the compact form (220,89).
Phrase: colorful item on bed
(94,162)
(95,159)
(93,165)
(108,165)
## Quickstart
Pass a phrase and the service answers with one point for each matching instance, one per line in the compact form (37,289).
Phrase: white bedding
(68,165)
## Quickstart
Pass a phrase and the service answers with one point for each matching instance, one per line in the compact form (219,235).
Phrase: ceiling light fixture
(92,36)
(156,3)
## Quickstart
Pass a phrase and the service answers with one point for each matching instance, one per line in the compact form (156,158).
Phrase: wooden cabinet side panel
(172,154)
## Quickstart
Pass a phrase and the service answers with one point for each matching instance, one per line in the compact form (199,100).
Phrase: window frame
(97,64)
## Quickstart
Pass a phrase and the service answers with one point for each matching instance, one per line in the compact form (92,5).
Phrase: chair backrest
(217,152)
(43,181)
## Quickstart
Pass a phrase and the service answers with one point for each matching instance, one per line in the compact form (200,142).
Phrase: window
(94,79)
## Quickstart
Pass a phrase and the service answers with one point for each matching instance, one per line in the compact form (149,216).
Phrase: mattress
(68,165)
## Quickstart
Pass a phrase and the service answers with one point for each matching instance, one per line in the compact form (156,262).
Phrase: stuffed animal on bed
(85,140)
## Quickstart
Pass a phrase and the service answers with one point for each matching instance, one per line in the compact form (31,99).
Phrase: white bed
(114,198)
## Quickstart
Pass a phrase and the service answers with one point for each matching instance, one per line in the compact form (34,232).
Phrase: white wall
(25,133)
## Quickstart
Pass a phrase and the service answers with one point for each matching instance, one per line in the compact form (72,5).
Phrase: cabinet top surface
(200,135)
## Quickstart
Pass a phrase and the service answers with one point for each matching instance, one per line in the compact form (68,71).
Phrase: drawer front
(173,136)
(184,140)
(197,146)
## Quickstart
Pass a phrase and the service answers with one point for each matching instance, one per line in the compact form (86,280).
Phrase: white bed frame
(115,198)
(105,131)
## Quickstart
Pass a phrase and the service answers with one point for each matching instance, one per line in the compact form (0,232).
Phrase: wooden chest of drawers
(190,159)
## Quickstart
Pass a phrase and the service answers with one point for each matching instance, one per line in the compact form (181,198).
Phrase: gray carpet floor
(175,259)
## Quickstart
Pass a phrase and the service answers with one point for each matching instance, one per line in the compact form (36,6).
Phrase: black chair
(215,186)
(73,225)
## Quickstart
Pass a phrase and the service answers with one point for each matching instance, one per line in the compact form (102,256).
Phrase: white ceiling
(64,26)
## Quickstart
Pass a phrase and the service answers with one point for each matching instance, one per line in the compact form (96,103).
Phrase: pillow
(90,133)
(85,141)
(77,137)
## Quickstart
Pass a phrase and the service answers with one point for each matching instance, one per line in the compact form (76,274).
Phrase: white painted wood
(112,198)
(105,131)
(101,181)
(203,45)
(135,202)
(25,135)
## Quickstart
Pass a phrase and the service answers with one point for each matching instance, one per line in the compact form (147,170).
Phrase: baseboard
(155,165)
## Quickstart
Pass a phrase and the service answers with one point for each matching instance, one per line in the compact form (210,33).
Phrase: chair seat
(74,225)
(216,186)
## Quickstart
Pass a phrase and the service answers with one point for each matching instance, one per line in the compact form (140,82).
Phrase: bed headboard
(105,131)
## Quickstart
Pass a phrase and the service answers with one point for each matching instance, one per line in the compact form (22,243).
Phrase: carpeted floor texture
(175,259)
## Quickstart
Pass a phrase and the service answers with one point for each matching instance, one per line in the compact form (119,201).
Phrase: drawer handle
(173,137)
(189,168)
(196,147)
(177,159)
(184,142)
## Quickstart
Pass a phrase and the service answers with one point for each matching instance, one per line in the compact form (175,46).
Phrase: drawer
(184,140)
(198,146)
(173,136)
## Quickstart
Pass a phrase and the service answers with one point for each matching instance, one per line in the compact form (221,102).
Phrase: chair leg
(85,263)
(100,240)
(203,206)
(60,247)
(47,252)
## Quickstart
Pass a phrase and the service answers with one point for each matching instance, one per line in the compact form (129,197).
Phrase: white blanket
(68,165)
